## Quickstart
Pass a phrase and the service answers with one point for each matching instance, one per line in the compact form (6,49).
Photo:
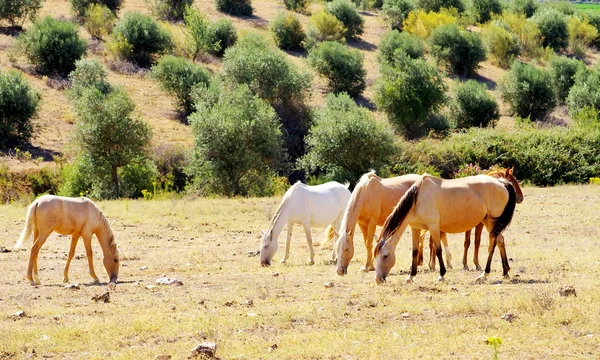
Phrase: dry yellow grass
(227,298)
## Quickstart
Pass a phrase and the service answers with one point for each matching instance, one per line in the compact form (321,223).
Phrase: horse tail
(329,234)
(29,224)
(396,218)
(502,221)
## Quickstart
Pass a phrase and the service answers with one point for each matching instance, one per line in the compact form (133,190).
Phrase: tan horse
(69,216)
(372,201)
(451,206)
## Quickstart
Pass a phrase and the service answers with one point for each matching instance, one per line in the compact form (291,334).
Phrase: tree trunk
(115,180)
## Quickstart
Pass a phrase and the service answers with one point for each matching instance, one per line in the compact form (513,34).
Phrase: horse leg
(491,248)
(309,242)
(74,239)
(478,231)
(502,248)
(420,256)
(288,241)
(87,242)
(444,240)
(431,254)
(368,232)
(416,241)
(32,269)
(434,231)
(466,251)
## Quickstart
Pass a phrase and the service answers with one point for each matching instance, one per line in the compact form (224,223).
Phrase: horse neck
(279,218)
(352,212)
(105,235)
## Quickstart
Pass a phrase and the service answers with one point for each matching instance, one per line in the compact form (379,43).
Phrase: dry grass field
(285,311)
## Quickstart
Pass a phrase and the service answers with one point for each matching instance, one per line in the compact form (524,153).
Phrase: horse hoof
(282,261)
(482,279)
(478,268)
(408,280)
(441,279)
(112,286)
(506,277)
(465,268)
(365,269)
(66,280)
(32,282)
(311,262)
(96,280)
(448,266)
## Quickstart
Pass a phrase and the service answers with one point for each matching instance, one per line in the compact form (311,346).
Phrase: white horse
(319,205)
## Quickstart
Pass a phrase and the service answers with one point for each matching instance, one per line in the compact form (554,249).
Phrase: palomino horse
(451,206)
(69,216)
(318,205)
(372,201)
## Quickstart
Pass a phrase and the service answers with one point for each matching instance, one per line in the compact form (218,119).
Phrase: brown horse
(69,216)
(372,201)
(449,206)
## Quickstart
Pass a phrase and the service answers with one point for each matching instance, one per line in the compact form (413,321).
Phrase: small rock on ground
(104,297)
(73,286)
(168,281)
(18,315)
(567,290)
(207,349)
(162,357)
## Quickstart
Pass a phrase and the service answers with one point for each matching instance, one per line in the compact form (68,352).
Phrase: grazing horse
(69,216)
(451,206)
(372,201)
(318,205)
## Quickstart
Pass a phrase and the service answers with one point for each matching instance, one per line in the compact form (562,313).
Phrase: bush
(238,140)
(593,17)
(524,7)
(553,27)
(461,51)
(342,66)
(178,76)
(223,34)
(234,7)
(422,24)
(169,9)
(402,41)
(171,162)
(345,11)
(528,91)
(562,6)
(530,37)
(409,92)
(197,32)
(88,73)
(563,70)
(18,105)
(265,70)
(396,11)
(287,31)
(296,5)
(581,35)
(323,26)
(16,11)
(99,20)
(437,5)
(346,141)
(585,92)
(80,7)
(473,106)
(502,45)
(482,10)
(138,37)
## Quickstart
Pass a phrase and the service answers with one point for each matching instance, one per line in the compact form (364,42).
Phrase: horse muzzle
(342,271)
(265,263)
(379,279)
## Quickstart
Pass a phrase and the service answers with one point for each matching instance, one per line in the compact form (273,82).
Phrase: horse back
(382,195)
(66,215)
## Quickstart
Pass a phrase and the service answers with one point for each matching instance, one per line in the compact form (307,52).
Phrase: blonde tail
(329,234)
(29,224)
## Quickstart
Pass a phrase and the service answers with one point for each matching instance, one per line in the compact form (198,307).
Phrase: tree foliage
(341,65)
(471,106)
(16,11)
(18,105)
(460,50)
(345,11)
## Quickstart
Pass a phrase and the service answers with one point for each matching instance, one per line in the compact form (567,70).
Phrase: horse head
(345,252)
(267,248)
(508,175)
(385,256)
(111,261)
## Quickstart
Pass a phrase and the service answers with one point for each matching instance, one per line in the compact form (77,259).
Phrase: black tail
(502,221)
(393,222)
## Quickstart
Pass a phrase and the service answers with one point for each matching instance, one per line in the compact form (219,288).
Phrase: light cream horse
(69,216)
(372,201)
(451,206)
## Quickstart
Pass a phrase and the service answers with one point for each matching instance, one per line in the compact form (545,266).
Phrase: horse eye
(385,256)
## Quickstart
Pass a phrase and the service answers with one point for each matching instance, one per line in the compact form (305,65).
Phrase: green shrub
(99,20)
(234,7)
(52,46)
(436,5)
(587,118)
(593,17)
(553,27)
(178,76)
(422,24)
(399,41)
(80,7)
(139,38)
(530,37)
(581,35)
(222,33)
(287,31)
(502,45)
(564,7)
(137,177)
(563,70)
(528,91)
(342,66)
(169,9)
(471,106)
(409,92)
(542,157)
(296,5)
(171,162)
(16,11)
(88,72)
(265,70)
(323,26)
(345,11)
(483,10)
(461,51)
(237,139)
(396,11)
(346,141)
(523,7)
(585,92)
(197,32)
(18,105)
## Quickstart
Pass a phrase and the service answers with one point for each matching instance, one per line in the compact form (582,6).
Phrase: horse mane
(362,184)
(502,221)
(281,206)
(105,226)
